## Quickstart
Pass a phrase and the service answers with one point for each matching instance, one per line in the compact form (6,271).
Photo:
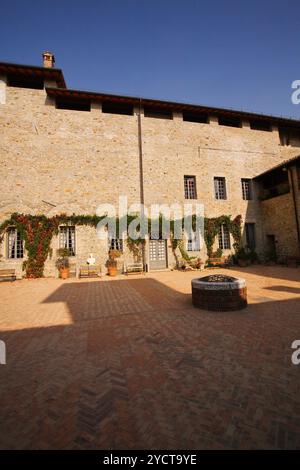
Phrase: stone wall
(279,220)
(63,161)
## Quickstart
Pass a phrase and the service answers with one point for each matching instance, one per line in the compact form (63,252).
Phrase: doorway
(157,254)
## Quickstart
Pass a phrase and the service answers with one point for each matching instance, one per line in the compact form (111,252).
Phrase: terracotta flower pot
(64,273)
(242,262)
(112,270)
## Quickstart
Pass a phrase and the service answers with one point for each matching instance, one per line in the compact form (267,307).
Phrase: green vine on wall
(212,227)
(37,232)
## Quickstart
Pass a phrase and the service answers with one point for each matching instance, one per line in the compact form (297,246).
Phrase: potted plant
(62,262)
(198,264)
(112,262)
(242,258)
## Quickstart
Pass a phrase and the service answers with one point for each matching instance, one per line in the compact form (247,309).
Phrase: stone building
(279,193)
(68,151)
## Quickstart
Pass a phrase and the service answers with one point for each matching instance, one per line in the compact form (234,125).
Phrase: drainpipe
(142,198)
(290,171)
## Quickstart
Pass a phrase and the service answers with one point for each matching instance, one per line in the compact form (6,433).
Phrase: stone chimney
(48,59)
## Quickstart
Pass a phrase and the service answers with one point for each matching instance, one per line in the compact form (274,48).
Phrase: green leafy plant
(112,258)
(37,232)
(62,261)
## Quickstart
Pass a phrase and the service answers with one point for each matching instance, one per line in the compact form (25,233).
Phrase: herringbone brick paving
(128,363)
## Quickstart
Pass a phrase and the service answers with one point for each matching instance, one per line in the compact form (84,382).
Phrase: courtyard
(128,363)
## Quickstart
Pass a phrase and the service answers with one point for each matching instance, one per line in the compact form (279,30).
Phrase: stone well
(219,293)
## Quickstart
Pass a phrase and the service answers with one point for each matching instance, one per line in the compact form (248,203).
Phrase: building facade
(69,151)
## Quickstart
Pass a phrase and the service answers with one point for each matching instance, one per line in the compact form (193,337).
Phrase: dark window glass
(159,113)
(229,121)
(117,108)
(250,235)
(195,117)
(73,105)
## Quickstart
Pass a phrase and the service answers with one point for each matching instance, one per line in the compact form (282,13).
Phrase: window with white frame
(67,239)
(190,187)
(193,242)
(246,189)
(15,244)
(220,187)
(224,238)
(115,243)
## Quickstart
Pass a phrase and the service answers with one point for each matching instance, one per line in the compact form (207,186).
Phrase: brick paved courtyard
(128,363)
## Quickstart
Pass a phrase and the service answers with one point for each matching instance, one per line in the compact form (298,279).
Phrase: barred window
(224,238)
(246,189)
(193,243)
(220,187)
(190,187)
(15,244)
(67,239)
(115,244)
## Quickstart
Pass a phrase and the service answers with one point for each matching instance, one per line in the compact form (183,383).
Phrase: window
(15,245)
(246,189)
(195,117)
(260,126)
(289,136)
(24,81)
(229,121)
(224,238)
(115,244)
(220,187)
(250,235)
(117,108)
(67,239)
(193,243)
(159,113)
(73,105)
(190,187)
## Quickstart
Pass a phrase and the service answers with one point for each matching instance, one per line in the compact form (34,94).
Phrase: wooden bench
(90,271)
(132,268)
(7,275)
(218,262)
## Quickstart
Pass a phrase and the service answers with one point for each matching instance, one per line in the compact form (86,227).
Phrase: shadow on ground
(139,367)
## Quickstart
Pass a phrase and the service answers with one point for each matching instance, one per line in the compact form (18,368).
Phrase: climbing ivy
(37,232)
(212,228)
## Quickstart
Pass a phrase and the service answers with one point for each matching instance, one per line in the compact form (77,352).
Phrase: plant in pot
(112,262)
(62,262)
(242,258)
(198,264)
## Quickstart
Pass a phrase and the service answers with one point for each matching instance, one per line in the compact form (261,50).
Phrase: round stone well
(219,292)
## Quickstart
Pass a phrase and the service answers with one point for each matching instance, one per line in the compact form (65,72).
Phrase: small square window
(224,238)
(15,244)
(246,189)
(67,239)
(190,187)
(115,244)
(229,121)
(193,242)
(220,188)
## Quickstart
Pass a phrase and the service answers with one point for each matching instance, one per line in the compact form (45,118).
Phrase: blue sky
(222,53)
